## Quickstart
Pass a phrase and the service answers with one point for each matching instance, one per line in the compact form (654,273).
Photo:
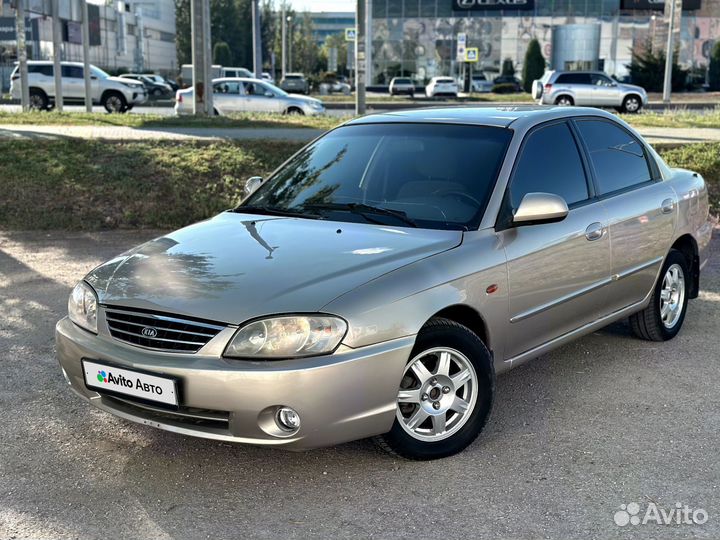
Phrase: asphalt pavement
(606,421)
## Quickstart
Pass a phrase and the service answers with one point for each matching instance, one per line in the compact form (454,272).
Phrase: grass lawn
(91,185)
(676,118)
(159,121)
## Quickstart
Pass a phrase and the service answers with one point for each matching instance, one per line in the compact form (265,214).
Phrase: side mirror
(251,185)
(540,208)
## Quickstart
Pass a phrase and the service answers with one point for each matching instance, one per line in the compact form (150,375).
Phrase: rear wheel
(295,110)
(565,101)
(664,316)
(445,394)
(631,104)
(38,100)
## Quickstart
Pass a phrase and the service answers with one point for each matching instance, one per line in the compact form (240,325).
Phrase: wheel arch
(467,316)
(687,245)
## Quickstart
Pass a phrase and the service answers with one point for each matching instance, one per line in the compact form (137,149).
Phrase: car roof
(238,79)
(522,116)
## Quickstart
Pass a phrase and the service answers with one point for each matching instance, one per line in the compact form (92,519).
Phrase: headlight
(287,337)
(82,307)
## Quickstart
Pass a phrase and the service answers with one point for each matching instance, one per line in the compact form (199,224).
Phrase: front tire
(631,105)
(662,319)
(445,394)
(114,102)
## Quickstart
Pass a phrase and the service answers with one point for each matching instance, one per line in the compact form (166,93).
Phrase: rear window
(446,80)
(403,81)
(574,78)
(293,77)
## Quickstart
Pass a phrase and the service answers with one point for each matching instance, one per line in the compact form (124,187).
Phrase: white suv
(117,95)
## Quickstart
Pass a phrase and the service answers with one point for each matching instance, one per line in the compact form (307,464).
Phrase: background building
(328,23)
(133,35)
(418,37)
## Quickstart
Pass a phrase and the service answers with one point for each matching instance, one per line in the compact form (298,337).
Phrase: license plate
(130,383)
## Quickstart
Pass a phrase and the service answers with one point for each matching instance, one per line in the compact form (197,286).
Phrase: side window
(255,89)
(573,78)
(75,72)
(226,88)
(550,163)
(47,71)
(617,157)
(600,80)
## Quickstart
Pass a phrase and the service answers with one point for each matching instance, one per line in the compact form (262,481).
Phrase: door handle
(668,205)
(595,231)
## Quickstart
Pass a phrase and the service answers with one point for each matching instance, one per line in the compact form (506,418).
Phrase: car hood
(131,82)
(304,99)
(631,88)
(235,267)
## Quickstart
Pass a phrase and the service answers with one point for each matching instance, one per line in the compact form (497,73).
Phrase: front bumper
(341,397)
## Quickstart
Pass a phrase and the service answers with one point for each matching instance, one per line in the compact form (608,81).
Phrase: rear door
(641,207)
(557,272)
(73,82)
(226,96)
(577,85)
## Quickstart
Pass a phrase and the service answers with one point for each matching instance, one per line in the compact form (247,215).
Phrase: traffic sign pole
(22,54)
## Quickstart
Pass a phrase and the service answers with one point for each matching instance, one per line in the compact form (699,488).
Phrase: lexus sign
(480,5)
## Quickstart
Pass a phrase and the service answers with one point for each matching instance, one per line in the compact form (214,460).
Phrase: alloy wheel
(114,103)
(632,105)
(37,101)
(672,296)
(564,102)
(437,395)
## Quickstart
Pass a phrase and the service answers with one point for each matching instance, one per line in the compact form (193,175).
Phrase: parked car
(232,95)
(592,88)
(154,89)
(508,79)
(481,84)
(267,77)
(442,86)
(228,72)
(378,281)
(116,94)
(162,80)
(295,82)
(402,85)
(334,86)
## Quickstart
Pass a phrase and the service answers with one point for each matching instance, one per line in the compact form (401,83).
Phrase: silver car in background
(402,85)
(379,280)
(236,95)
(588,88)
(295,82)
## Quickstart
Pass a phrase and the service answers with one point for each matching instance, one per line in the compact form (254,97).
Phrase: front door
(259,98)
(73,82)
(643,209)
(557,272)
(605,90)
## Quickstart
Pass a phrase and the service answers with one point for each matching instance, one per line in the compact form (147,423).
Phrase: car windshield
(99,73)
(432,176)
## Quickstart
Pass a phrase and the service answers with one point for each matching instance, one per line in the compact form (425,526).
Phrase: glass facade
(418,38)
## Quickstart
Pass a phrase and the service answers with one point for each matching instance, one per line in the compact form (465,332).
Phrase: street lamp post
(290,40)
(667,82)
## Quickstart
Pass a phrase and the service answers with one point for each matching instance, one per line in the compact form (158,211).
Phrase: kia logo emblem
(149,332)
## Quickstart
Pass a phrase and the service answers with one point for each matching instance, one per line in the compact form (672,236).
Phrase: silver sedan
(380,279)
(239,94)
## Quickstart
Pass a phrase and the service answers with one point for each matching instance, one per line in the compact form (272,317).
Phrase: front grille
(158,331)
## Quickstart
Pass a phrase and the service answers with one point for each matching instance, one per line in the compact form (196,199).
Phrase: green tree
(222,54)
(183,43)
(715,67)
(534,65)
(305,50)
(336,41)
(647,69)
(508,68)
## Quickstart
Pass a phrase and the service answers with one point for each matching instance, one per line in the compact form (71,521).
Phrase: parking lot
(602,422)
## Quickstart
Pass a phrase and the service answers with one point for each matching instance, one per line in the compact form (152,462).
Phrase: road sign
(471,54)
(461,46)
(350,34)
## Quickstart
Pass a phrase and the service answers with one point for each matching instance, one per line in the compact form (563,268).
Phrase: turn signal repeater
(491,288)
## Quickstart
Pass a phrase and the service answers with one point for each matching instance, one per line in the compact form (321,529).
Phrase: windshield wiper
(275,211)
(364,210)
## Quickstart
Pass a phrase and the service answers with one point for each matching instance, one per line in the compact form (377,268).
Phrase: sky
(323,5)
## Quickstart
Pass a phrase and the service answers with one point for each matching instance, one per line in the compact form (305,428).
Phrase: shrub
(715,67)
(222,54)
(504,88)
(534,65)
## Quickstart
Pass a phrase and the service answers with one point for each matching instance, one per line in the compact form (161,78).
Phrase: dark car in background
(295,83)
(154,89)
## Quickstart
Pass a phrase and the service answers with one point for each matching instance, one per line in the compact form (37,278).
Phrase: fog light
(288,419)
